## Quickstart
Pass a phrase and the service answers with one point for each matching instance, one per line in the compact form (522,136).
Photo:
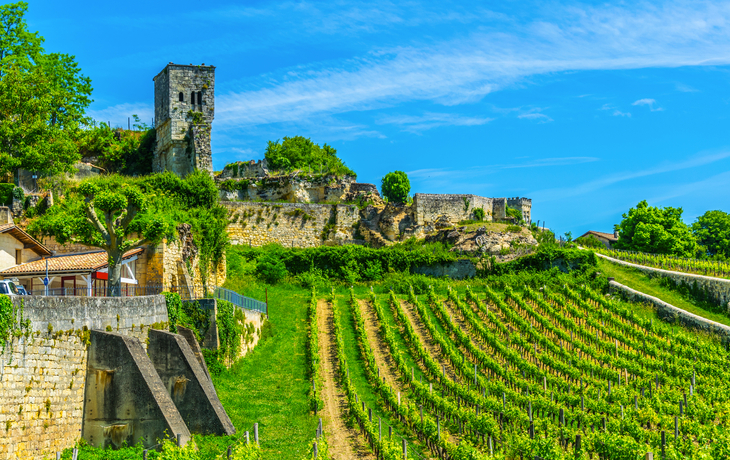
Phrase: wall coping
(667,307)
(665,272)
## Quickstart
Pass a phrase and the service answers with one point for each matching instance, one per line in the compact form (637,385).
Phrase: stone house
(608,239)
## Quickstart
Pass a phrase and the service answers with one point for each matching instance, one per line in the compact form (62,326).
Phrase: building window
(18,256)
(192,98)
(200,98)
(180,97)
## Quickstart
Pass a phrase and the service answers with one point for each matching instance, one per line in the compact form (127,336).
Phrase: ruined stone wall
(524,205)
(291,189)
(430,208)
(42,373)
(290,224)
(165,266)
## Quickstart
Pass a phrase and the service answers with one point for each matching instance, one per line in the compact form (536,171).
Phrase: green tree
(395,186)
(712,231)
(108,213)
(43,102)
(655,230)
(27,138)
(301,153)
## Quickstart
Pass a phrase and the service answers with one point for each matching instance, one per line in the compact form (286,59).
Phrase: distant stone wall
(429,208)
(290,224)
(42,374)
(717,288)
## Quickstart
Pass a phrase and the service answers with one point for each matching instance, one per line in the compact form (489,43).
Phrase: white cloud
(685,88)
(466,68)
(431,120)
(618,113)
(649,103)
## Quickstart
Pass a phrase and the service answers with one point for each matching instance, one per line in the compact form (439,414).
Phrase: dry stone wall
(290,224)
(42,372)
(431,208)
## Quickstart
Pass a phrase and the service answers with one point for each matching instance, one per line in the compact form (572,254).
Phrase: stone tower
(184,110)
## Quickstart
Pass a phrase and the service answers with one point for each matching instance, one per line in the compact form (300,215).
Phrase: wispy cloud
(649,103)
(465,68)
(614,111)
(603,182)
(432,120)
(540,117)
(685,88)
(491,169)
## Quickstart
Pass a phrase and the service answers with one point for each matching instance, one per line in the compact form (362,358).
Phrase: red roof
(64,263)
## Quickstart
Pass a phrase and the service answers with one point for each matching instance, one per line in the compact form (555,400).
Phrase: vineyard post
(676,427)
(228,453)
(316,453)
(370,414)
(390,432)
(405,449)
(380,429)
(256,431)
(664,443)
(491,451)
(247,439)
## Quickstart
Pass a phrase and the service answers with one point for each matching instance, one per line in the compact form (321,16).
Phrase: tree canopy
(655,230)
(117,213)
(44,99)
(395,186)
(712,231)
(299,152)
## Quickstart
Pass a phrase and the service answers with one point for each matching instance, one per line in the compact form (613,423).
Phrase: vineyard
(513,372)
(714,268)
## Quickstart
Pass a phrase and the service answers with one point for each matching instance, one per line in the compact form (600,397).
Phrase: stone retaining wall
(717,288)
(42,373)
(670,313)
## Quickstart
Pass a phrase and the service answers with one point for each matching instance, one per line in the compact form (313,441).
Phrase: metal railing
(196,292)
(238,300)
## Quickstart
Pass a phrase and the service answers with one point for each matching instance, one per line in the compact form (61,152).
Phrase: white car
(10,288)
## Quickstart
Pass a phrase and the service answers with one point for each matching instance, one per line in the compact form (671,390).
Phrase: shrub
(395,186)
(6,194)
(478,214)
(271,268)
(515,214)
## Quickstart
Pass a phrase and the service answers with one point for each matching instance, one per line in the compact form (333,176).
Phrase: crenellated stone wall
(290,224)
(42,373)
(431,208)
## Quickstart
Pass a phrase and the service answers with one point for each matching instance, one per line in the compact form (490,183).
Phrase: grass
(640,281)
(270,385)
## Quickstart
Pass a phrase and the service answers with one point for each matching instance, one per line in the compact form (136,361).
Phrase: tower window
(200,98)
(180,97)
(192,98)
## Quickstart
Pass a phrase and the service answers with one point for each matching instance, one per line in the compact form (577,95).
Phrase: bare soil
(423,334)
(344,443)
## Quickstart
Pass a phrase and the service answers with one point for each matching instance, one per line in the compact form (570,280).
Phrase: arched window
(192,98)
(180,97)
(200,98)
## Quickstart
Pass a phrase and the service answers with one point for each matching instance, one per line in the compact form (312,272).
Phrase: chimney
(615,233)
(6,217)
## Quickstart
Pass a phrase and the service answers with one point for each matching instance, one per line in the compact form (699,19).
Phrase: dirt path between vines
(383,358)
(344,443)
(422,333)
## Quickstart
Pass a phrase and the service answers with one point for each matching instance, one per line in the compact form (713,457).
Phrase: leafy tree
(655,230)
(106,213)
(117,150)
(395,186)
(301,153)
(117,213)
(712,231)
(44,99)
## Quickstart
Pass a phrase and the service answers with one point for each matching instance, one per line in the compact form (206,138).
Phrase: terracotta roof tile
(89,261)
(608,236)
(22,236)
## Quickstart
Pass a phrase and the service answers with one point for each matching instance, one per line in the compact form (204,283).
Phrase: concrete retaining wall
(670,313)
(717,288)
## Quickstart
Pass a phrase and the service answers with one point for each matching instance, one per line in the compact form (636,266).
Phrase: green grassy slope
(270,385)
(639,281)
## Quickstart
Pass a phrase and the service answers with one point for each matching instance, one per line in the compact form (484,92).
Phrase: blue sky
(587,108)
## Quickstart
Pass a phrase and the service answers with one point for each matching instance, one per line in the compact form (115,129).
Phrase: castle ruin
(184,111)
